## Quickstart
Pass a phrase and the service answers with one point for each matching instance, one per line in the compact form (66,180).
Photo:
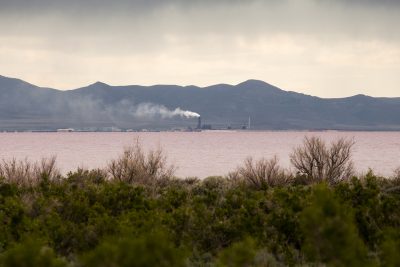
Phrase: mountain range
(24,106)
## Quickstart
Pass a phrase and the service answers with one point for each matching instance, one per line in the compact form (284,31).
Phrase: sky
(326,48)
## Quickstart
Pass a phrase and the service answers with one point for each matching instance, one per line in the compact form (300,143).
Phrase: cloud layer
(325,48)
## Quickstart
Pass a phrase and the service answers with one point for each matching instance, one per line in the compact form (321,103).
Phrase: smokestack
(199,123)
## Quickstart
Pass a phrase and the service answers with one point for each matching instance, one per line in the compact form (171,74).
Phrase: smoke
(92,109)
(152,110)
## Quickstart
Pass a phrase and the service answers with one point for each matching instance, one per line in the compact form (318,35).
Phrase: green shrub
(329,231)
(31,254)
(151,249)
(390,248)
(91,220)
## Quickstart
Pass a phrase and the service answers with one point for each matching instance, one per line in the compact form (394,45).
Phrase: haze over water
(198,154)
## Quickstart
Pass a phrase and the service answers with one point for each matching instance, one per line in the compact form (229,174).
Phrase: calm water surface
(196,153)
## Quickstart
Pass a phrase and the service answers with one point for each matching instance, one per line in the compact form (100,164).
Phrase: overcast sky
(327,48)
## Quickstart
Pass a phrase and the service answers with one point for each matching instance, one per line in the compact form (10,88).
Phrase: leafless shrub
(318,162)
(135,166)
(47,169)
(23,172)
(14,171)
(261,173)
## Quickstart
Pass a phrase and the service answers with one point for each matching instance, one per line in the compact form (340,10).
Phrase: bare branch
(318,162)
(261,173)
(135,166)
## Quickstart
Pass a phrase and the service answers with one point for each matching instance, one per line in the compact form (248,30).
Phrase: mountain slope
(26,106)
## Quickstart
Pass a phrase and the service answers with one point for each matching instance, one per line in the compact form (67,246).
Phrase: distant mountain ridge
(24,106)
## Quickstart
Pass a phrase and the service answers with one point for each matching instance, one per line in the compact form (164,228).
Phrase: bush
(144,218)
(330,233)
(238,254)
(261,174)
(317,162)
(152,249)
(23,172)
(390,248)
(31,254)
(136,167)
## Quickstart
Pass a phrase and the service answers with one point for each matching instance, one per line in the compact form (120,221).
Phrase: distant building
(67,130)
(115,129)
(201,126)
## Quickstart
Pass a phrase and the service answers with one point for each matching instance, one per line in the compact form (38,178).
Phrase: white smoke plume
(152,110)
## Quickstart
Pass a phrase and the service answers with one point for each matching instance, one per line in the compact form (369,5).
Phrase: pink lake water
(198,154)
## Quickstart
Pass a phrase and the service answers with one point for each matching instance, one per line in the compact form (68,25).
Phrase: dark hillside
(25,106)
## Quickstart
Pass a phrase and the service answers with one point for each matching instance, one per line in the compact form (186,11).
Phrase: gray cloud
(140,6)
(67,43)
(142,19)
(93,6)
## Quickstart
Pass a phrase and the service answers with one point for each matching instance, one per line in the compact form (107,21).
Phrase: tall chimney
(199,123)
